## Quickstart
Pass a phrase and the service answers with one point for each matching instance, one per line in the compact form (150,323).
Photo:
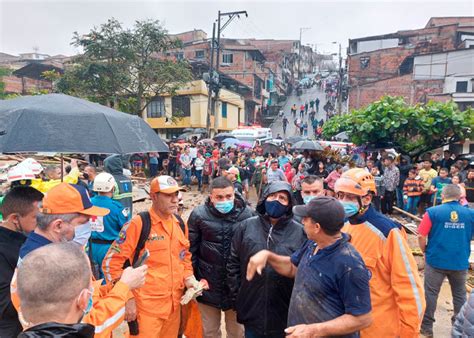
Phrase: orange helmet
(356,181)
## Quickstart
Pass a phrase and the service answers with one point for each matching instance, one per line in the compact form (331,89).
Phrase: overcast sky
(48,25)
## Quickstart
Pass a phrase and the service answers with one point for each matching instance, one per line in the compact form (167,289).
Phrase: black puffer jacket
(53,329)
(210,234)
(262,304)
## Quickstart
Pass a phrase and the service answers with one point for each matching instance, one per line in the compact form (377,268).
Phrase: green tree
(122,68)
(412,129)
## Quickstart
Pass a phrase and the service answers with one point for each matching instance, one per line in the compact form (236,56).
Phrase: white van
(253,134)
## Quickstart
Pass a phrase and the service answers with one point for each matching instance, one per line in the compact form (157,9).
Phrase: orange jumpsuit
(169,264)
(396,291)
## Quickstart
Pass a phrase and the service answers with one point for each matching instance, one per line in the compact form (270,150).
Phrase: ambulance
(253,135)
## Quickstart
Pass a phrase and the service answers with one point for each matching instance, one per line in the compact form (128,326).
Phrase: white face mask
(82,233)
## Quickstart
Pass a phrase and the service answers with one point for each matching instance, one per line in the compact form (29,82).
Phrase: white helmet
(34,165)
(20,172)
(104,182)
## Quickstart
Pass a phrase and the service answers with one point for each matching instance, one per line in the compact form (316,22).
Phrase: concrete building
(170,115)
(387,64)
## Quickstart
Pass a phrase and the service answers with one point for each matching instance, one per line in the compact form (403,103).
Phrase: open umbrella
(294,139)
(231,142)
(206,142)
(270,148)
(65,124)
(222,136)
(244,144)
(307,145)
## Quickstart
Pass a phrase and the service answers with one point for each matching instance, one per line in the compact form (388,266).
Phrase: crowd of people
(314,256)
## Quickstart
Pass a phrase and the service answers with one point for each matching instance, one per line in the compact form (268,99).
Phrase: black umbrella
(307,145)
(65,124)
(222,136)
(294,139)
(270,148)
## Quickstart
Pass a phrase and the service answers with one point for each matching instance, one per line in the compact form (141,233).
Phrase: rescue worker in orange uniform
(396,291)
(64,217)
(156,306)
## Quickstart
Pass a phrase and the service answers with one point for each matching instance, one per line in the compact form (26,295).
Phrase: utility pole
(231,16)
(210,84)
(339,96)
(299,52)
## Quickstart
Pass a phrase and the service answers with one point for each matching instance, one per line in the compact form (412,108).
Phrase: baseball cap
(233,170)
(165,184)
(68,198)
(325,210)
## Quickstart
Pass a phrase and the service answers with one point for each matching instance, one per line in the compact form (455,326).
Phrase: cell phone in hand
(142,259)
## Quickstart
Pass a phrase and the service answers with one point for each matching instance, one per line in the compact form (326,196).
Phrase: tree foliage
(121,67)
(412,129)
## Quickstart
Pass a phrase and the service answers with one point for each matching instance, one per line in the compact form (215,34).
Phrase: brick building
(384,64)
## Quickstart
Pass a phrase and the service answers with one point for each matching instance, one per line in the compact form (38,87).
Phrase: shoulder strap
(181,223)
(146,228)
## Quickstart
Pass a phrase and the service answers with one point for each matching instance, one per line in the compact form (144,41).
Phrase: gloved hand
(194,289)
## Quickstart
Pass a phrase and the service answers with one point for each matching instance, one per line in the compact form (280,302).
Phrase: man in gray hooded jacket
(123,189)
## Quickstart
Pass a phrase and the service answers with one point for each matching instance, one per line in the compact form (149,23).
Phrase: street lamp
(339,89)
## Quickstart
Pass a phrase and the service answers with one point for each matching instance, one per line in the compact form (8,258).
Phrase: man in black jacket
(262,304)
(19,209)
(211,227)
(55,297)
(114,165)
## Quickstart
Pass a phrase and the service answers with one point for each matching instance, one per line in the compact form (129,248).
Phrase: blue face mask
(89,304)
(275,209)
(308,198)
(224,207)
(350,208)
(82,233)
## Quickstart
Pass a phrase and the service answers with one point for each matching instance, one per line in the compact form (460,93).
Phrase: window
(461,87)
(181,106)
(227,58)
(156,108)
(224,109)
(199,54)
(179,56)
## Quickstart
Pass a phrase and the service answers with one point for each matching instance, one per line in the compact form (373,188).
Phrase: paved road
(308,94)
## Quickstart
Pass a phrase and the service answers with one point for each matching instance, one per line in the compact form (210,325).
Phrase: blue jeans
(187,176)
(412,204)
(198,174)
(399,197)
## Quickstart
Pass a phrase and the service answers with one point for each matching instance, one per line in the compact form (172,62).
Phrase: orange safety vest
(396,291)
(169,264)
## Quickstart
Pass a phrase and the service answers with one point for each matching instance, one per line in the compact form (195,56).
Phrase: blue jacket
(449,239)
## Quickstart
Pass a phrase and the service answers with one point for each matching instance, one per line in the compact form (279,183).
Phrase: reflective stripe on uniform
(107,259)
(376,231)
(111,321)
(411,277)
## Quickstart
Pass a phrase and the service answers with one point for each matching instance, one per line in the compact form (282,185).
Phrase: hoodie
(123,186)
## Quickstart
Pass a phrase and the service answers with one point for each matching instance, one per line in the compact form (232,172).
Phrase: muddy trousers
(211,322)
(433,280)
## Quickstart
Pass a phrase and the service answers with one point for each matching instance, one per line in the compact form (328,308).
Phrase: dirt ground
(444,311)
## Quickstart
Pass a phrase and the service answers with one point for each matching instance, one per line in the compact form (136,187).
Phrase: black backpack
(146,228)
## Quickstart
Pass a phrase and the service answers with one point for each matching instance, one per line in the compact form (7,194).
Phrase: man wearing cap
(64,217)
(233,175)
(331,295)
(156,306)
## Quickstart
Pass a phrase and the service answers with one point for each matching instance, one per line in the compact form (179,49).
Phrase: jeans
(376,203)
(172,169)
(153,169)
(399,197)
(433,280)
(250,333)
(198,174)
(412,204)
(387,202)
(187,177)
